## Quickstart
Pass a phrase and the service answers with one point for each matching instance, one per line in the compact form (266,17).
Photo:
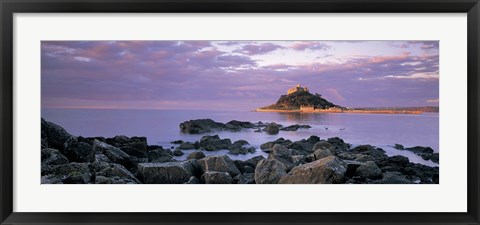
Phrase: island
(299,99)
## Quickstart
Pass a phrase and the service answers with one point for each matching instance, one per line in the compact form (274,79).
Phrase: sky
(236,75)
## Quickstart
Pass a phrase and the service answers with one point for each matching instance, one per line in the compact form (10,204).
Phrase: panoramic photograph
(240,112)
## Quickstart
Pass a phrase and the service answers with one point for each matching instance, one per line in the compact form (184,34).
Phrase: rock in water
(269,171)
(329,170)
(212,143)
(272,128)
(196,155)
(178,152)
(200,126)
(212,177)
(219,164)
(167,173)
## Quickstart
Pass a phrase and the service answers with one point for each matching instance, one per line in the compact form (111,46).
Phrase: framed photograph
(260,112)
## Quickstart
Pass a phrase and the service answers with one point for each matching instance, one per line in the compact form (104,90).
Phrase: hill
(295,100)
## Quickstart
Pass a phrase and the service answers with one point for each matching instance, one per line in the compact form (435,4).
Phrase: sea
(162,127)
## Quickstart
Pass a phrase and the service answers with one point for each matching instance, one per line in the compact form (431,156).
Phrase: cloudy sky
(236,75)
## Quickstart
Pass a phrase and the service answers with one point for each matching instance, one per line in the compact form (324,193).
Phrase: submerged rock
(295,127)
(200,126)
(272,128)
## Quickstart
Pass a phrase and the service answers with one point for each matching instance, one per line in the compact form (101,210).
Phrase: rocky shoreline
(68,159)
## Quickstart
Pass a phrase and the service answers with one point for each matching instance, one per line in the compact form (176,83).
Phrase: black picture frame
(9,7)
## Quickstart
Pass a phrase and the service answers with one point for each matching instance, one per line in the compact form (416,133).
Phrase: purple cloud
(259,49)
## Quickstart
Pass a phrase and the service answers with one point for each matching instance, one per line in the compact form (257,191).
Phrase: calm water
(162,126)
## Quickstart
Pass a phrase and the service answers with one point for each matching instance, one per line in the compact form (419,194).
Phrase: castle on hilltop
(297,88)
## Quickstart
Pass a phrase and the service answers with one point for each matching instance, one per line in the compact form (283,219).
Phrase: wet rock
(167,173)
(295,127)
(186,146)
(398,146)
(196,155)
(268,145)
(213,177)
(219,164)
(176,142)
(339,144)
(269,171)
(329,170)
(177,152)
(134,151)
(200,126)
(212,143)
(237,125)
(160,155)
(272,128)
(304,146)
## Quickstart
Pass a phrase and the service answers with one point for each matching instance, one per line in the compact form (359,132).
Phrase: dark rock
(248,169)
(240,165)
(420,149)
(399,160)
(281,151)
(167,173)
(398,146)
(268,145)
(196,155)
(272,128)
(160,155)
(246,178)
(200,126)
(298,159)
(53,136)
(394,178)
(193,180)
(237,125)
(113,173)
(176,142)
(186,146)
(295,127)
(369,170)
(102,158)
(177,152)
(213,177)
(52,156)
(212,143)
(329,170)
(72,173)
(134,151)
(252,162)
(51,179)
(76,150)
(219,164)
(304,147)
(269,171)
(339,144)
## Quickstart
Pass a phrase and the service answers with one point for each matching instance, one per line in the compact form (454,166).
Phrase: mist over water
(162,126)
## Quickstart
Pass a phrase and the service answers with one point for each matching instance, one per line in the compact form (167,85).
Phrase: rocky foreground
(70,159)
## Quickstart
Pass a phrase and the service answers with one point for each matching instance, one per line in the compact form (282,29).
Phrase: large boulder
(266,147)
(219,164)
(237,125)
(160,155)
(269,171)
(272,128)
(213,177)
(200,126)
(240,147)
(323,149)
(369,170)
(283,155)
(329,170)
(339,144)
(114,154)
(304,146)
(167,173)
(212,143)
(76,149)
(53,135)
